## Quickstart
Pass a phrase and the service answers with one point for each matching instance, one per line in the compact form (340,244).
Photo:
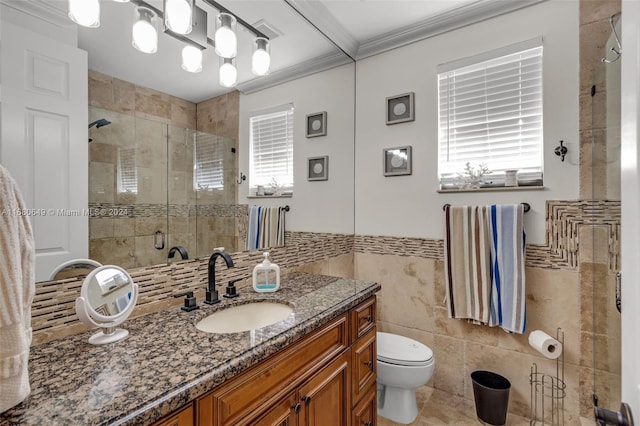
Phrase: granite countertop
(166,362)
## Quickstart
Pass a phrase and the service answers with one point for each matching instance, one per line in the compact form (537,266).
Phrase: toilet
(403,365)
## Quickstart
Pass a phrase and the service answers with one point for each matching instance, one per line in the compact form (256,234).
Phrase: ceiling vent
(267,29)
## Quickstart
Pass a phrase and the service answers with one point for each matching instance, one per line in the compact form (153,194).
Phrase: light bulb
(191,58)
(225,40)
(261,59)
(144,33)
(85,12)
(228,73)
(178,15)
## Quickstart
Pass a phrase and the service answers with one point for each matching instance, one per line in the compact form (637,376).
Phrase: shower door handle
(618,292)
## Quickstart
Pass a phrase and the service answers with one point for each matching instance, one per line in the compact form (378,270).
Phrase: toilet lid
(401,350)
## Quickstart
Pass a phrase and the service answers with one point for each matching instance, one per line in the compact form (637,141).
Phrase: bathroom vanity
(317,366)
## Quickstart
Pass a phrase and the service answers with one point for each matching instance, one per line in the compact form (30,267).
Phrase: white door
(630,165)
(44,139)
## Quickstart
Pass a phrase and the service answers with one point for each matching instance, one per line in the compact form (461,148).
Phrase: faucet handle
(231,289)
(189,301)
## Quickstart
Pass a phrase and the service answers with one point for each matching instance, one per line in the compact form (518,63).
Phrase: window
(271,149)
(490,112)
(208,160)
(127,172)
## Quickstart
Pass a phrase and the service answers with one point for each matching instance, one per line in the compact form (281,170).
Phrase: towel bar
(527,206)
(286,208)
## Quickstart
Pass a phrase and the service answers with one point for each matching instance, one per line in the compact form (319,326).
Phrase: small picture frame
(399,109)
(396,161)
(317,124)
(318,168)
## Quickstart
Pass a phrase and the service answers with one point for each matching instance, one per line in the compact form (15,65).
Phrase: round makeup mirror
(107,297)
(74,268)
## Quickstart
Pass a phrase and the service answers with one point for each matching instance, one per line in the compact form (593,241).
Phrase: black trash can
(491,394)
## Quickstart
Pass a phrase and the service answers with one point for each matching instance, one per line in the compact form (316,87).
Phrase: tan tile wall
(412,303)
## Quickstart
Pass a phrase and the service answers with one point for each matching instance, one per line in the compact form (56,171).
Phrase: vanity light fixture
(225,40)
(261,58)
(85,12)
(178,15)
(188,24)
(191,59)
(144,32)
(228,73)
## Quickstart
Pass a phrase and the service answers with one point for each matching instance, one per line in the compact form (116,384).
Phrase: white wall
(316,206)
(409,206)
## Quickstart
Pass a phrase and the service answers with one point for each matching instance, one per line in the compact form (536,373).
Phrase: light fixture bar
(240,21)
(173,34)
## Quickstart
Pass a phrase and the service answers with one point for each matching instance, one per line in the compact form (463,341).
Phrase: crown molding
(454,19)
(312,66)
(319,16)
(42,9)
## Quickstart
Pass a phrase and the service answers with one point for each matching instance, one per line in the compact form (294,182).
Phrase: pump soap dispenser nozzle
(266,275)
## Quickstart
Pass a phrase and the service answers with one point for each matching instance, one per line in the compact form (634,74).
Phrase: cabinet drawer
(364,367)
(181,418)
(363,318)
(256,389)
(365,412)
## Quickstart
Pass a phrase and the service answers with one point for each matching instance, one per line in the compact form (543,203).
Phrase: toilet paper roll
(545,344)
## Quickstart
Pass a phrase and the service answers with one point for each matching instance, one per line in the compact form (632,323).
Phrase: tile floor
(437,408)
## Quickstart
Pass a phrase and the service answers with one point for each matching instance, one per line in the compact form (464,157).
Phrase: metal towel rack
(527,206)
(286,208)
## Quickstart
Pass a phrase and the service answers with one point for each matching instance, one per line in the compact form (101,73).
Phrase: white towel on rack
(17,289)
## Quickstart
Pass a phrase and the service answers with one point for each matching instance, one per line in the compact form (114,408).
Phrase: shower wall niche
(153,185)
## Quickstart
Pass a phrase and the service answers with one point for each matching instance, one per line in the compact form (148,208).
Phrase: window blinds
(127,172)
(490,112)
(271,146)
(209,172)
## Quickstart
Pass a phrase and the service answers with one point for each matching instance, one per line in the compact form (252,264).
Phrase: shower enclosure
(603,341)
(153,186)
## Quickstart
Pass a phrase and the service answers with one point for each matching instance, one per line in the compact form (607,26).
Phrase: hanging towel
(17,288)
(508,293)
(467,263)
(252,231)
(266,227)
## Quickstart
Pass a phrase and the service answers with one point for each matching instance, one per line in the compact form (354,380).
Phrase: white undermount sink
(244,317)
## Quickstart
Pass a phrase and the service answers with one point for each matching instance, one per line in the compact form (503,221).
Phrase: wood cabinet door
(282,413)
(366,413)
(326,397)
(364,365)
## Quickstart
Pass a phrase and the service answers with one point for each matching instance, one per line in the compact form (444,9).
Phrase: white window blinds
(209,164)
(127,171)
(490,111)
(271,148)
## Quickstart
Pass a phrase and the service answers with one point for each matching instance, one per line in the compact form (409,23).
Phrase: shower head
(99,123)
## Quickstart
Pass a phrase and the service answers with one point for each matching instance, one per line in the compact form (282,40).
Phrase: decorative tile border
(53,309)
(560,251)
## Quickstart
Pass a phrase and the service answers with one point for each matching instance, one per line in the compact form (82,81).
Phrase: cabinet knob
(306,399)
(368,364)
(296,407)
(368,318)
(368,424)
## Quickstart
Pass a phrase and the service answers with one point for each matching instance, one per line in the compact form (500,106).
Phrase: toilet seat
(400,350)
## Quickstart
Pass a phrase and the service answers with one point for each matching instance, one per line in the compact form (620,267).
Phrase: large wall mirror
(156,181)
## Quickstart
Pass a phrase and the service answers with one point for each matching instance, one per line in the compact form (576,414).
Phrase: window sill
(494,189)
(270,196)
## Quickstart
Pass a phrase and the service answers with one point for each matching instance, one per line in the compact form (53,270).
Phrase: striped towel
(508,293)
(266,227)
(467,263)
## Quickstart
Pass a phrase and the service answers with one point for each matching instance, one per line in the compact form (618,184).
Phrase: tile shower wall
(123,223)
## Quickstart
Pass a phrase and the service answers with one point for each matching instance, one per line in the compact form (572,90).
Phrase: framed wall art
(400,108)
(396,161)
(318,168)
(317,124)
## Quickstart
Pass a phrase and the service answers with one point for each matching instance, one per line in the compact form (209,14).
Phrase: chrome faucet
(211,295)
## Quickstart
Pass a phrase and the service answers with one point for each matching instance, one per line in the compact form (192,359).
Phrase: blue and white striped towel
(508,293)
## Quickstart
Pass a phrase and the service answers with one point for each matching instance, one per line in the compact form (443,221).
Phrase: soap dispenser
(266,276)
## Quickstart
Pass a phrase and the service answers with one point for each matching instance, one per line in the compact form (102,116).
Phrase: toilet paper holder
(548,391)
